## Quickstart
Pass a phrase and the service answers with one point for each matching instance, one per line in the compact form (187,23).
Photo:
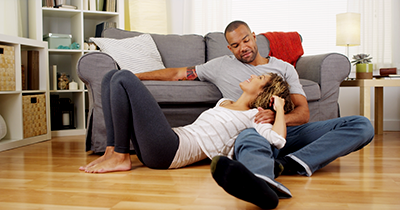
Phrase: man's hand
(265,116)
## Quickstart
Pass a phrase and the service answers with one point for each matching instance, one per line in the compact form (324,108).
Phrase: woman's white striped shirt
(216,129)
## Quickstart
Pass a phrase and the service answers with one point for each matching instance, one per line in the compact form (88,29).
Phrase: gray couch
(183,101)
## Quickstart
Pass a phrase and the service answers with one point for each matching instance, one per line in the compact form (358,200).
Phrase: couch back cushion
(217,45)
(175,50)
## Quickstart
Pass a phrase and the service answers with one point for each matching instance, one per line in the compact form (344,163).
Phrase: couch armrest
(328,70)
(91,68)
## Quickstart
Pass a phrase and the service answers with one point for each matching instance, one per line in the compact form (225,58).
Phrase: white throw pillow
(137,54)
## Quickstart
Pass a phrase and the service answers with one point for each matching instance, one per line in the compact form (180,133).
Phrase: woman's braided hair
(275,86)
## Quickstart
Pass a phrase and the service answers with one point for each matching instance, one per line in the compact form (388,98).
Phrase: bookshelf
(81,24)
(11,101)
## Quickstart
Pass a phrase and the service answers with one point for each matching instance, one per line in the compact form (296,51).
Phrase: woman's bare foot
(117,162)
(107,154)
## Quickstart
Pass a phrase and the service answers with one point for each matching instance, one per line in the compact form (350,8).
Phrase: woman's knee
(123,76)
(109,75)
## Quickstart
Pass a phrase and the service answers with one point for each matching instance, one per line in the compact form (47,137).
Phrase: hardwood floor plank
(46,176)
(24,206)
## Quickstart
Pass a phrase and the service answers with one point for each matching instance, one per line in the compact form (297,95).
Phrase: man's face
(242,43)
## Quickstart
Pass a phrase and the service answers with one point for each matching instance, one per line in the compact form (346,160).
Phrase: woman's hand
(278,102)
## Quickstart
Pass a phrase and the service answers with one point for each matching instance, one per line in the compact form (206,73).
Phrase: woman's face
(255,84)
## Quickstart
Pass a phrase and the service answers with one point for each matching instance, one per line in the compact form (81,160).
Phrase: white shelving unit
(11,108)
(81,24)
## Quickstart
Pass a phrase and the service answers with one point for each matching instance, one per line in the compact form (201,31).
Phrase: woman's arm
(300,115)
(279,125)
(275,133)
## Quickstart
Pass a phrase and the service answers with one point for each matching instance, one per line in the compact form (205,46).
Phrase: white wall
(14,17)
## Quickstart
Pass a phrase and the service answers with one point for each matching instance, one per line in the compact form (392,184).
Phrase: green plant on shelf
(361,58)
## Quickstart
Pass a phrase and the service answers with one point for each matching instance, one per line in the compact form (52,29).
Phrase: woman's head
(274,86)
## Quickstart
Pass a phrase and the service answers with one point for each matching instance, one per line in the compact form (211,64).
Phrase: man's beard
(250,59)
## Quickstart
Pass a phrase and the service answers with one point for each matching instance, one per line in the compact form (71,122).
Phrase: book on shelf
(110,5)
(92,5)
(104,25)
(66,6)
(23,78)
(33,70)
(48,3)
(99,5)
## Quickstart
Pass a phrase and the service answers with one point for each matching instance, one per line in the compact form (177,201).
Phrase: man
(309,146)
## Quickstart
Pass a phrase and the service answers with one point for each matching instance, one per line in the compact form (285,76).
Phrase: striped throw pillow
(137,54)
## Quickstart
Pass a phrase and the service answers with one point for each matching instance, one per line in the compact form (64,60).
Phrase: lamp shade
(348,29)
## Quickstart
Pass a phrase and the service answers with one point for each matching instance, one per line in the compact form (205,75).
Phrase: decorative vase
(3,128)
(364,71)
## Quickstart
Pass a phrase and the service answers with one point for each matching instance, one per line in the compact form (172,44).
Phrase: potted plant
(364,67)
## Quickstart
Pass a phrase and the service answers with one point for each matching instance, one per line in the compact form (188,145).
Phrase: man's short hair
(234,25)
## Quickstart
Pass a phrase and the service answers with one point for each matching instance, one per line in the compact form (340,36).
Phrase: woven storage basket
(7,68)
(34,115)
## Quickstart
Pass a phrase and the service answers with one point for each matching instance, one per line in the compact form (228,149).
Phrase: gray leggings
(132,113)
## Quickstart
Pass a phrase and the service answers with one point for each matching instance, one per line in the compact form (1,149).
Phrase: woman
(131,112)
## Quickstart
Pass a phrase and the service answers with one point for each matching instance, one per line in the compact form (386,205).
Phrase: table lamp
(348,30)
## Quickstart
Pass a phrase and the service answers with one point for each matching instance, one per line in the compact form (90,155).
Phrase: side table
(365,97)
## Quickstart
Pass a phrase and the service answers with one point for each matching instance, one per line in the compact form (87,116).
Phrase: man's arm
(170,74)
(300,115)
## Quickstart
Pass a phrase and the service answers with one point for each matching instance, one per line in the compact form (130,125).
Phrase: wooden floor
(46,176)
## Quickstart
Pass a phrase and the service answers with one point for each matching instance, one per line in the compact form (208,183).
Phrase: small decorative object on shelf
(55,83)
(67,110)
(384,72)
(364,67)
(63,82)
(73,46)
(73,85)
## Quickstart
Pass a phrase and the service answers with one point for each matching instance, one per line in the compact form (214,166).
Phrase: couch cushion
(136,54)
(183,92)
(175,50)
(217,45)
(312,89)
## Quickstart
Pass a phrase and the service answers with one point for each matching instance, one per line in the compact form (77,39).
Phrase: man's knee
(250,137)
(247,134)
(368,131)
(363,128)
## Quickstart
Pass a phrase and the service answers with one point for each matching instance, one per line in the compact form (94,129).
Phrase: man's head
(241,41)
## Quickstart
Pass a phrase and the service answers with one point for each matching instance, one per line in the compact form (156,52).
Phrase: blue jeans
(312,145)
